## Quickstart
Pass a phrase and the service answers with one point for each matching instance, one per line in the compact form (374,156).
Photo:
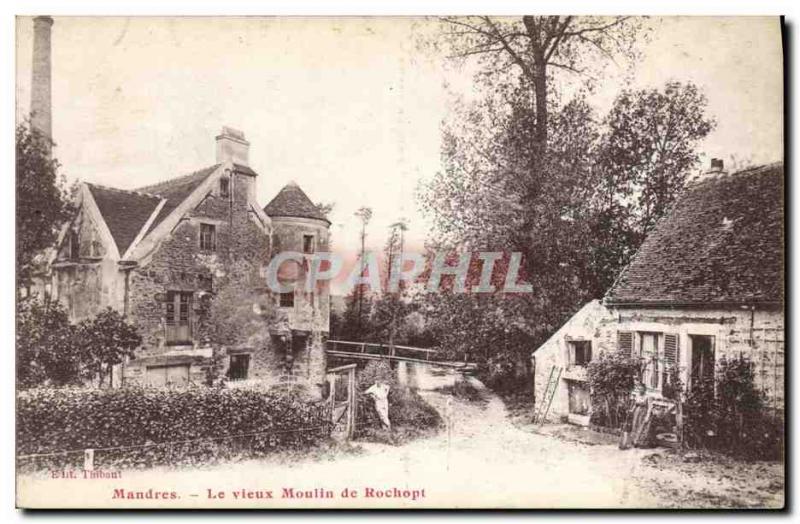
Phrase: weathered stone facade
(754,333)
(304,320)
(185,260)
(593,324)
(751,332)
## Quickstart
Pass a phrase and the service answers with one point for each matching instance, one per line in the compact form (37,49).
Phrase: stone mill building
(185,261)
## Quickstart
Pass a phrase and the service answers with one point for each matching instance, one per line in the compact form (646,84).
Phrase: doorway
(166,376)
(702,359)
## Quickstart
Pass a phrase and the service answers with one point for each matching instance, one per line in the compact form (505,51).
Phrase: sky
(350,108)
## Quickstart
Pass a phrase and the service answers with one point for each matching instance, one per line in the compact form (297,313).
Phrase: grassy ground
(463,390)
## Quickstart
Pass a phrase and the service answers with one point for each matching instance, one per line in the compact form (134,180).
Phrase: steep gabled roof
(124,212)
(291,201)
(176,190)
(722,243)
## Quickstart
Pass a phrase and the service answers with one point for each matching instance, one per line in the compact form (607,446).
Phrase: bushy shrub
(612,378)
(54,420)
(699,412)
(52,351)
(46,344)
(729,414)
(409,414)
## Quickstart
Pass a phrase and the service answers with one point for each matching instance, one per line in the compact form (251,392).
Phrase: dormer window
(224,187)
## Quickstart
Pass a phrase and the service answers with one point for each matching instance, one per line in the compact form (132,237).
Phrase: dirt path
(480,460)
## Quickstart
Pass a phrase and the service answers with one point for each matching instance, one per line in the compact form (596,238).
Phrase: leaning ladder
(547,399)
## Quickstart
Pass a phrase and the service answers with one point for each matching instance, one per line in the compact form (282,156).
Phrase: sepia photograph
(400,262)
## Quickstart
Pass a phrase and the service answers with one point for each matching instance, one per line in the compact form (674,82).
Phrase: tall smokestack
(41,113)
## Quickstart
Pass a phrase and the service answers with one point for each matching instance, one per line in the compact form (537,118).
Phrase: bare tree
(537,45)
(365,215)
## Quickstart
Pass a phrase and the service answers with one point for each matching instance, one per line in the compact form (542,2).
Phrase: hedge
(212,420)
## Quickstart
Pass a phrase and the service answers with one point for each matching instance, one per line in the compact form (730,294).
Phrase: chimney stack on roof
(41,112)
(716,169)
(231,145)
(716,166)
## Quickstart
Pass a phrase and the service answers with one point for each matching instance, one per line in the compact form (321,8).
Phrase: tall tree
(42,200)
(365,215)
(536,46)
(648,149)
(528,169)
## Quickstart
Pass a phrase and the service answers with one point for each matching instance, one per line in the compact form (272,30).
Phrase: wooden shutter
(625,342)
(671,349)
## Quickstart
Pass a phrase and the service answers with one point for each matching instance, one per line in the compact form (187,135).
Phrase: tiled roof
(245,170)
(721,243)
(125,212)
(291,201)
(176,191)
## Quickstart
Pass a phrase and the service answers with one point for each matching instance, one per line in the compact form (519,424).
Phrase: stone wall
(592,323)
(91,282)
(311,311)
(306,323)
(179,264)
(755,333)
(247,317)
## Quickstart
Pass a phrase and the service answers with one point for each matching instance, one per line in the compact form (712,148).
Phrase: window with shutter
(625,342)
(671,357)
(671,346)
(648,350)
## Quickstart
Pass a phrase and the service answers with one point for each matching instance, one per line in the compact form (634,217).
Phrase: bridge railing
(377,348)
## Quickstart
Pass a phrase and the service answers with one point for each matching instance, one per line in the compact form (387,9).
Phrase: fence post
(88,460)
(351,393)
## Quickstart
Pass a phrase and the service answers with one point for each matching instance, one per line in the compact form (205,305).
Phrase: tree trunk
(539,80)
(540,89)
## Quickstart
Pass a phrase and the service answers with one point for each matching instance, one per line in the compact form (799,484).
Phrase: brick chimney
(716,166)
(716,169)
(231,145)
(41,112)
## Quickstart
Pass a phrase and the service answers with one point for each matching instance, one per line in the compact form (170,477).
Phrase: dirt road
(480,460)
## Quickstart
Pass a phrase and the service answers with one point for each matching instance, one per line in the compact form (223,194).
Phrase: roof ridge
(702,177)
(169,181)
(691,254)
(292,201)
(760,167)
(120,190)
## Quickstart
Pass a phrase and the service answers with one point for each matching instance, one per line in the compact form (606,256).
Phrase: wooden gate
(342,400)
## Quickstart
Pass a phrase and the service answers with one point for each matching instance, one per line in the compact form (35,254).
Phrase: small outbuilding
(706,284)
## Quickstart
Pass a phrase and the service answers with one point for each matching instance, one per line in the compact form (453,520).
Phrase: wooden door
(702,358)
(161,376)
(179,317)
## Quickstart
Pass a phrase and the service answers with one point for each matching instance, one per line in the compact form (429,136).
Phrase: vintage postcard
(400,262)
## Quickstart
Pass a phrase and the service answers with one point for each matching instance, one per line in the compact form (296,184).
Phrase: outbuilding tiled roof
(291,201)
(125,212)
(721,243)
